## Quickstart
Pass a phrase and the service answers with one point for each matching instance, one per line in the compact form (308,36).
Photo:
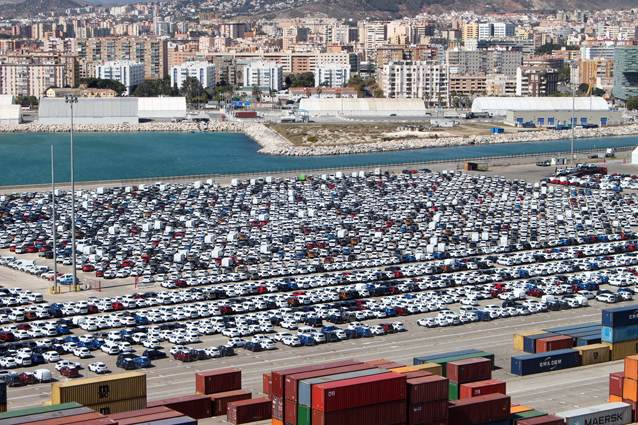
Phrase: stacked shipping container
(427,400)
(620,331)
(222,386)
(65,413)
(196,406)
(152,415)
(465,371)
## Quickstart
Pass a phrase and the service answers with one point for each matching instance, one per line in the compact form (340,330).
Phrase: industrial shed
(10,113)
(162,107)
(89,111)
(364,107)
(500,105)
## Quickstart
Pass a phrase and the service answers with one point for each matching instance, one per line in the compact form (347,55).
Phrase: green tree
(304,79)
(632,103)
(564,75)
(583,88)
(256,93)
(100,83)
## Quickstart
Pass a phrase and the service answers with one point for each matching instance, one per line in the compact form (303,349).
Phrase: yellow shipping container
(519,409)
(592,354)
(519,339)
(403,369)
(100,390)
(433,368)
(620,350)
(119,406)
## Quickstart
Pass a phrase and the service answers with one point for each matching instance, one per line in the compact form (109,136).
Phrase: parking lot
(438,252)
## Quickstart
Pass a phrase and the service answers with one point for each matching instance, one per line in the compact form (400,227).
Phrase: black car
(154,354)
(253,346)
(543,163)
(126,364)
(226,351)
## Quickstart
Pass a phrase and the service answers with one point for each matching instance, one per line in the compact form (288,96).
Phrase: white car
(212,352)
(64,363)
(377,330)
(151,343)
(98,367)
(82,352)
(177,348)
(291,341)
(607,298)
(110,349)
(429,322)
(279,336)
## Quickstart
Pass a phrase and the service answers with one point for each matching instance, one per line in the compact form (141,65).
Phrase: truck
(246,114)
(471,115)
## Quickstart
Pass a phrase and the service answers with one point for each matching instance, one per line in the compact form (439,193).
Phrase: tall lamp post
(573,113)
(71,99)
(55,257)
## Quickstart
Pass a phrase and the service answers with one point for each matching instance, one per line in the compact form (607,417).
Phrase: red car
(7,336)
(118,306)
(88,268)
(27,378)
(69,372)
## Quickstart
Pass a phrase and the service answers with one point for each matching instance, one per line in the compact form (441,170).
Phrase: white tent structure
(162,107)
(500,105)
(10,113)
(363,107)
(634,156)
(117,110)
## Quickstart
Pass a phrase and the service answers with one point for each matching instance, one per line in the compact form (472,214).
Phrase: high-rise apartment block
(129,73)
(626,72)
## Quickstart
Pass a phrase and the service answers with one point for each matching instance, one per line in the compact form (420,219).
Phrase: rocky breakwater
(121,128)
(271,142)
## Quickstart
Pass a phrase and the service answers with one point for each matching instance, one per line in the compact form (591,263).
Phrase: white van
(549,299)
(42,375)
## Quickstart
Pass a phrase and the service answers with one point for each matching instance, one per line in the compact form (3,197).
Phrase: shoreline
(273,143)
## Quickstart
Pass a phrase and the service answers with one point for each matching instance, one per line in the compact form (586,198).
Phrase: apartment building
(418,80)
(472,62)
(204,72)
(625,72)
(28,78)
(129,73)
(536,81)
(264,74)
(332,75)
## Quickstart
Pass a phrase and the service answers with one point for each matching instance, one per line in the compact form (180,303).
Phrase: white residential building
(332,75)
(264,74)
(203,71)
(129,73)
(417,80)
(497,29)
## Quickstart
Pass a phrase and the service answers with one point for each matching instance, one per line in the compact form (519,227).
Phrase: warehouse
(161,107)
(10,113)
(544,118)
(500,105)
(89,111)
(364,107)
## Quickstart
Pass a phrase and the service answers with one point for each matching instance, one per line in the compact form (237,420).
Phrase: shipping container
(620,316)
(290,411)
(554,343)
(608,414)
(620,350)
(593,354)
(588,340)
(499,422)
(626,333)
(357,392)
(257,409)
(120,406)
(393,412)
(198,406)
(100,421)
(272,422)
(40,417)
(390,365)
(278,407)
(182,420)
(431,411)
(46,410)
(141,412)
(305,385)
(3,392)
(219,401)
(479,410)
(631,403)
(518,408)
(104,389)
(545,362)
(453,392)
(616,383)
(588,329)
(292,381)
(246,114)
(67,419)
(543,420)
(519,339)
(529,342)
(630,389)
(377,362)
(429,388)
(3,407)
(444,360)
(267,385)
(574,328)
(150,418)
(517,417)
(304,415)
(476,389)
(404,370)
(631,367)
(469,370)
(279,376)
(433,368)
(218,381)
(615,398)
(426,359)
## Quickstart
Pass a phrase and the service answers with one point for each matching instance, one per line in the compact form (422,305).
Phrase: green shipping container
(515,417)
(38,410)
(302,177)
(304,415)
(453,394)
(443,361)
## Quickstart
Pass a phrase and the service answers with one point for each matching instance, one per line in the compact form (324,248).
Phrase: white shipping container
(234,182)
(269,179)
(101,190)
(198,184)
(339,175)
(362,174)
(210,181)
(609,414)
(227,262)
(147,227)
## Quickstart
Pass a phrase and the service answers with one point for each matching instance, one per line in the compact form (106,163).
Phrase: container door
(583,121)
(603,121)
(541,121)
(550,121)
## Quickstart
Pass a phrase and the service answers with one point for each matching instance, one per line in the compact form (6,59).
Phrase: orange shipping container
(614,398)
(554,343)
(403,369)
(631,367)
(519,409)
(630,389)
(277,422)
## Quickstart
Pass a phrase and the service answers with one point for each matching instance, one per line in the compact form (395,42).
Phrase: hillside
(34,7)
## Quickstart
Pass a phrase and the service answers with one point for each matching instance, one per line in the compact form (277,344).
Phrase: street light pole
(55,255)
(573,113)
(71,99)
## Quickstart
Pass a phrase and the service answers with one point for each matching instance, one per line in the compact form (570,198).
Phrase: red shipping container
(292,381)
(469,370)
(428,388)
(633,405)
(217,381)
(278,408)
(377,362)
(141,412)
(476,389)
(553,343)
(220,400)
(616,383)
(478,410)
(357,392)
(257,409)
(390,365)
(393,412)
(445,422)
(267,385)
(150,418)
(543,420)
(196,406)
(431,411)
(290,411)
(246,114)
(70,419)
(103,421)
(416,374)
(278,376)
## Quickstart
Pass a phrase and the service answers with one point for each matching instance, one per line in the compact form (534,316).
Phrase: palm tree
(426,97)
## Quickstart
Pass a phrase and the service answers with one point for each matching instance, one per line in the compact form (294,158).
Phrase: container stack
(153,416)
(196,406)
(620,331)
(443,359)
(545,362)
(256,409)
(620,412)
(583,334)
(628,385)
(3,396)
(466,371)
(65,413)
(427,400)
(222,386)
(107,394)
(493,409)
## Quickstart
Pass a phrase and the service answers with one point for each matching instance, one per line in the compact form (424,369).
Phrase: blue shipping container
(626,333)
(501,422)
(588,340)
(3,392)
(529,342)
(545,362)
(426,359)
(560,329)
(573,332)
(304,387)
(620,317)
